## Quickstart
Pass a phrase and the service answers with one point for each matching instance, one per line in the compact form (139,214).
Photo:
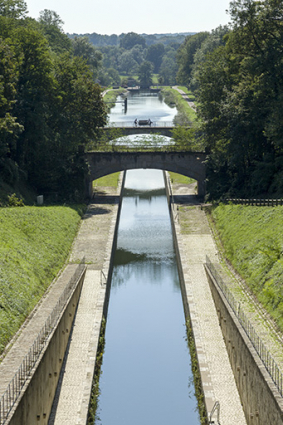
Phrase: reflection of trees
(144,194)
(139,269)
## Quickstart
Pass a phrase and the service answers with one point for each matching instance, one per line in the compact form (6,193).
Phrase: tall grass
(253,241)
(35,243)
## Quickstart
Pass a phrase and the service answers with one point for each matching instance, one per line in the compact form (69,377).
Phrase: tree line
(50,104)
(130,54)
(236,73)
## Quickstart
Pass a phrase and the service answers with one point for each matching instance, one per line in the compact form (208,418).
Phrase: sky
(123,16)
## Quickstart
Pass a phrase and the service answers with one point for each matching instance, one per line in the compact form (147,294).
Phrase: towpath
(185,97)
(195,241)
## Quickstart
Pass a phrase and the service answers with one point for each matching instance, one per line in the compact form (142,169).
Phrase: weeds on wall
(95,392)
(196,374)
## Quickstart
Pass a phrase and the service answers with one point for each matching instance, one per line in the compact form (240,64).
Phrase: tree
(168,70)
(145,74)
(155,55)
(9,127)
(51,25)
(128,41)
(127,63)
(15,9)
(240,95)
(84,49)
(185,57)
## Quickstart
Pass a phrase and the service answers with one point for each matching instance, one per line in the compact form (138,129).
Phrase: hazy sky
(147,16)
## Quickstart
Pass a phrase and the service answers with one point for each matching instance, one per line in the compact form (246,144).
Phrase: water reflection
(146,375)
(143,106)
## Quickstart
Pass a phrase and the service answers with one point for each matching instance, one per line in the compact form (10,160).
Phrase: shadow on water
(143,194)
(122,257)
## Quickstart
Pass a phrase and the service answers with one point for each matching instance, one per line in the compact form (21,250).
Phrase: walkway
(94,241)
(185,97)
(195,242)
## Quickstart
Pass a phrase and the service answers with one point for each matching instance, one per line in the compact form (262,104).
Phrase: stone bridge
(120,131)
(190,164)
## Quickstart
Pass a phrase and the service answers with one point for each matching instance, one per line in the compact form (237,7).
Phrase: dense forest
(50,101)
(125,54)
(50,104)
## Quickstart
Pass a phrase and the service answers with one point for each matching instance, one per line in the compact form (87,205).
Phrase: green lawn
(179,178)
(35,243)
(171,96)
(109,180)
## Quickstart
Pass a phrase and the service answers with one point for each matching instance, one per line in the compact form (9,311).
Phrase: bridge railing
(131,124)
(15,386)
(265,356)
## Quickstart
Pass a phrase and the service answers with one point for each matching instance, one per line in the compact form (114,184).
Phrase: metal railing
(15,386)
(216,408)
(265,356)
(103,278)
(131,124)
(255,202)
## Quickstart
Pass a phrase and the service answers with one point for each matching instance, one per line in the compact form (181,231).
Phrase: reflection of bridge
(128,128)
(189,164)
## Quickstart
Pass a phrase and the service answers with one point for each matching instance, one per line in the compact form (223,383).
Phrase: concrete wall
(34,405)
(262,402)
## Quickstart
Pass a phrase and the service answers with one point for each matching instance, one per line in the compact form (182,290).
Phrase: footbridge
(190,164)
(140,127)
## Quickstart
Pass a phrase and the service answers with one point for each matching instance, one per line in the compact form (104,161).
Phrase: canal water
(143,106)
(146,372)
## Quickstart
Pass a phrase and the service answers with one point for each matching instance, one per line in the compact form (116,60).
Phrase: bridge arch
(190,164)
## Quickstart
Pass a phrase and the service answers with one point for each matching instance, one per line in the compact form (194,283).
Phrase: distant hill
(114,39)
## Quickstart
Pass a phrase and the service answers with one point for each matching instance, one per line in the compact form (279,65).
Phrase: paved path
(195,242)
(185,97)
(94,241)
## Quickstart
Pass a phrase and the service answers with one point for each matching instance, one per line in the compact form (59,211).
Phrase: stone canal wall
(35,403)
(261,400)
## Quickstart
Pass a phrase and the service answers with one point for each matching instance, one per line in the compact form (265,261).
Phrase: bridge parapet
(190,164)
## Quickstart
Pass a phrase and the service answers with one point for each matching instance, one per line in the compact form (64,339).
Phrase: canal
(146,372)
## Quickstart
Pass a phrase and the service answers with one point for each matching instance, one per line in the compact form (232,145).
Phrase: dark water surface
(146,374)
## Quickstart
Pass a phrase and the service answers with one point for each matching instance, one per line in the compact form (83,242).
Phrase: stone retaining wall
(34,405)
(262,402)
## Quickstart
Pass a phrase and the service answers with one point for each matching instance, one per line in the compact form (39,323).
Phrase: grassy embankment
(111,96)
(252,238)
(185,112)
(180,179)
(35,243)
(111,180)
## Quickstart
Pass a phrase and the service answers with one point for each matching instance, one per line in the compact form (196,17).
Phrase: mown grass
(171,96)
(180,178)
(188,92)
(35,243)
(111,180)
(253,241)
(111,96)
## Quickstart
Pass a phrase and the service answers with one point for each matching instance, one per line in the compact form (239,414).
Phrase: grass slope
(35,242)
(171,96)
(253,241)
